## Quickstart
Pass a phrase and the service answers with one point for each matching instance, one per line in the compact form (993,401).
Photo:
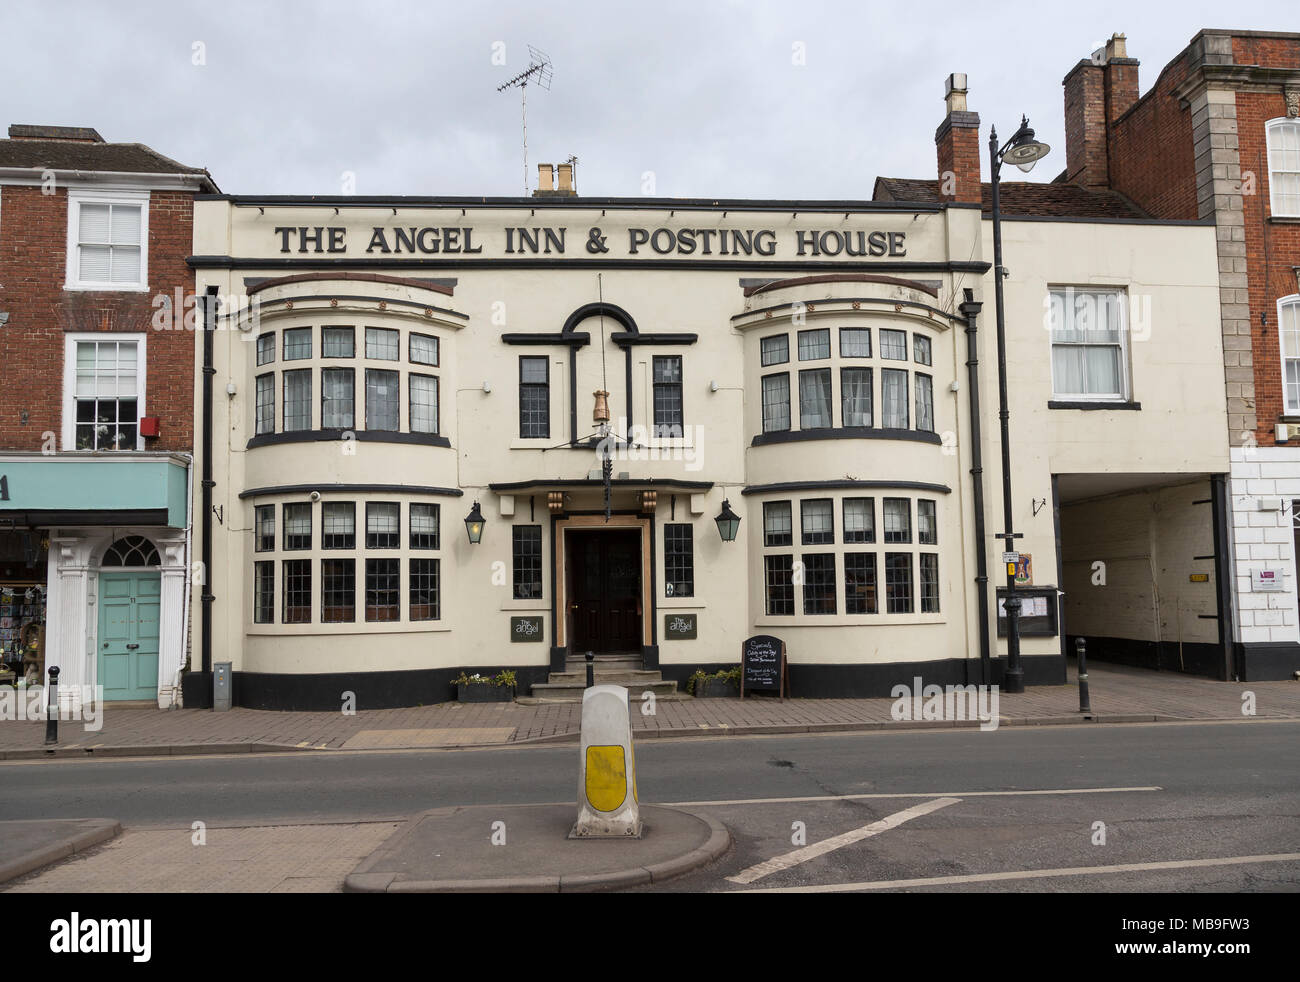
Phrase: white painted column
(69,631)
(171,626)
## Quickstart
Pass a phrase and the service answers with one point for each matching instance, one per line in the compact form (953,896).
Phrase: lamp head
(1023,150)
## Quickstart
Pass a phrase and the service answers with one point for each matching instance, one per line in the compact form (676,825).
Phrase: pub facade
(446,435)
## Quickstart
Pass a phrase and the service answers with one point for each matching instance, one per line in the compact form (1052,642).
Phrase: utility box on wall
(221,686)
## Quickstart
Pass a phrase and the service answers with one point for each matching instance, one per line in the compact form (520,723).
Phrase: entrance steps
(568,685)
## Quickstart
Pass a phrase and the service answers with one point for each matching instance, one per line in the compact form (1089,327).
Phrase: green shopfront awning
(93,489)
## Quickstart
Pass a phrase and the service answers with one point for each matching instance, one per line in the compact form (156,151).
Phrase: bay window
(815,398)
(297,400)
(337,399)
(855,396)
(924,403)
(381,399)
(776,402)
(424,403)
(893,398)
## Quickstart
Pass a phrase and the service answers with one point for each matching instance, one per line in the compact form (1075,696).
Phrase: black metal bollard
(591,669)
(1085,704)
(52,707)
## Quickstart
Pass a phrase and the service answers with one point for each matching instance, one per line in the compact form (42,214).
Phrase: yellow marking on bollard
(631,751)
(606,778)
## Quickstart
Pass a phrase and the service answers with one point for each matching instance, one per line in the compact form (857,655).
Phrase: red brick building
(96,408)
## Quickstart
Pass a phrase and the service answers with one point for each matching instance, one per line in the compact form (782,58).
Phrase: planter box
(717,689)
(485,693)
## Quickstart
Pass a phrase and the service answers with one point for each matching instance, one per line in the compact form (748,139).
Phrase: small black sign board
(763,665)
(680,627)
(526,629)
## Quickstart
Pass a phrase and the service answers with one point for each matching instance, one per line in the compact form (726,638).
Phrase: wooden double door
(605,589)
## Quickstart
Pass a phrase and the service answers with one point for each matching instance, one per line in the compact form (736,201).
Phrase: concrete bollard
(607,800)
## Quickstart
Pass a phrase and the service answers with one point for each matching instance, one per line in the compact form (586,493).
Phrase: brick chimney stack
(1097,92)
(1085,123)
(1121,78)
(958,145)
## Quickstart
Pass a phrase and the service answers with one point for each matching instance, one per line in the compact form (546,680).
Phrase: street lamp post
(1023,151)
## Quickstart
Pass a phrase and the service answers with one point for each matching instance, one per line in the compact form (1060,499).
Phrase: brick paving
(1117,693)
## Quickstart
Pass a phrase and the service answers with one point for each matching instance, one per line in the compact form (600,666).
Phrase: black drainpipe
(971,309)
(1233,667)
(207,484)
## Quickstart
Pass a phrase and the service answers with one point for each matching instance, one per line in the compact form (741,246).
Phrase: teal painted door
(128,634)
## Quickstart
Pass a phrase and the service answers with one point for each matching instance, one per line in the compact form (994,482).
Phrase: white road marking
(839,841)
(899,794)
(1029,874)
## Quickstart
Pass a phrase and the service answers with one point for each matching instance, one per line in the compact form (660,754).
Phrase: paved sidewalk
(265,859)
(1118,695)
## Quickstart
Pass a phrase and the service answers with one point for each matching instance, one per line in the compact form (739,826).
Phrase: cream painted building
(380,367)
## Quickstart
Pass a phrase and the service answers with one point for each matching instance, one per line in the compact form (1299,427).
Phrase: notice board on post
(763,666)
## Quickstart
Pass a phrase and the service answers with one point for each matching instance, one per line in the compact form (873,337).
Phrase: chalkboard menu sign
(763,665)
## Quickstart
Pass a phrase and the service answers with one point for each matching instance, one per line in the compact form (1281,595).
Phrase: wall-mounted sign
(680,627)
(587,241)
(526,629)
(1199,578)
(1266,581)
(1024,569)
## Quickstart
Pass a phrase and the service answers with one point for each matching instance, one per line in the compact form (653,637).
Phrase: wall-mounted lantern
(728,522)
(474,525)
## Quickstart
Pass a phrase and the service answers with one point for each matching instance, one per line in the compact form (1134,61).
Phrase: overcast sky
(713,98)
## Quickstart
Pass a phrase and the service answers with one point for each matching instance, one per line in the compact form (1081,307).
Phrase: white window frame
(1270,128)
(1289,408)
(78,197)
(1125,381)
(70,342)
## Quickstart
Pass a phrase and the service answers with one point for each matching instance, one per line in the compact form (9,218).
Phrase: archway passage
(130,604)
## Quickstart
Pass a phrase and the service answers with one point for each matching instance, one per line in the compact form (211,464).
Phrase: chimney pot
(954,92)
(566,178)
(545,177)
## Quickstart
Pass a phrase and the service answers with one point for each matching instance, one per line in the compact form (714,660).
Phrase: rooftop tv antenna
(539,72)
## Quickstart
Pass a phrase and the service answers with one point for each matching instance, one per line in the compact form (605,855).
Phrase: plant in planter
(485,688)
(716,686)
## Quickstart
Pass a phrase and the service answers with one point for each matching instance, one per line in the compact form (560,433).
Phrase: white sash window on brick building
(1288,322)
(1284,167)
(106,241)
(107,391)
